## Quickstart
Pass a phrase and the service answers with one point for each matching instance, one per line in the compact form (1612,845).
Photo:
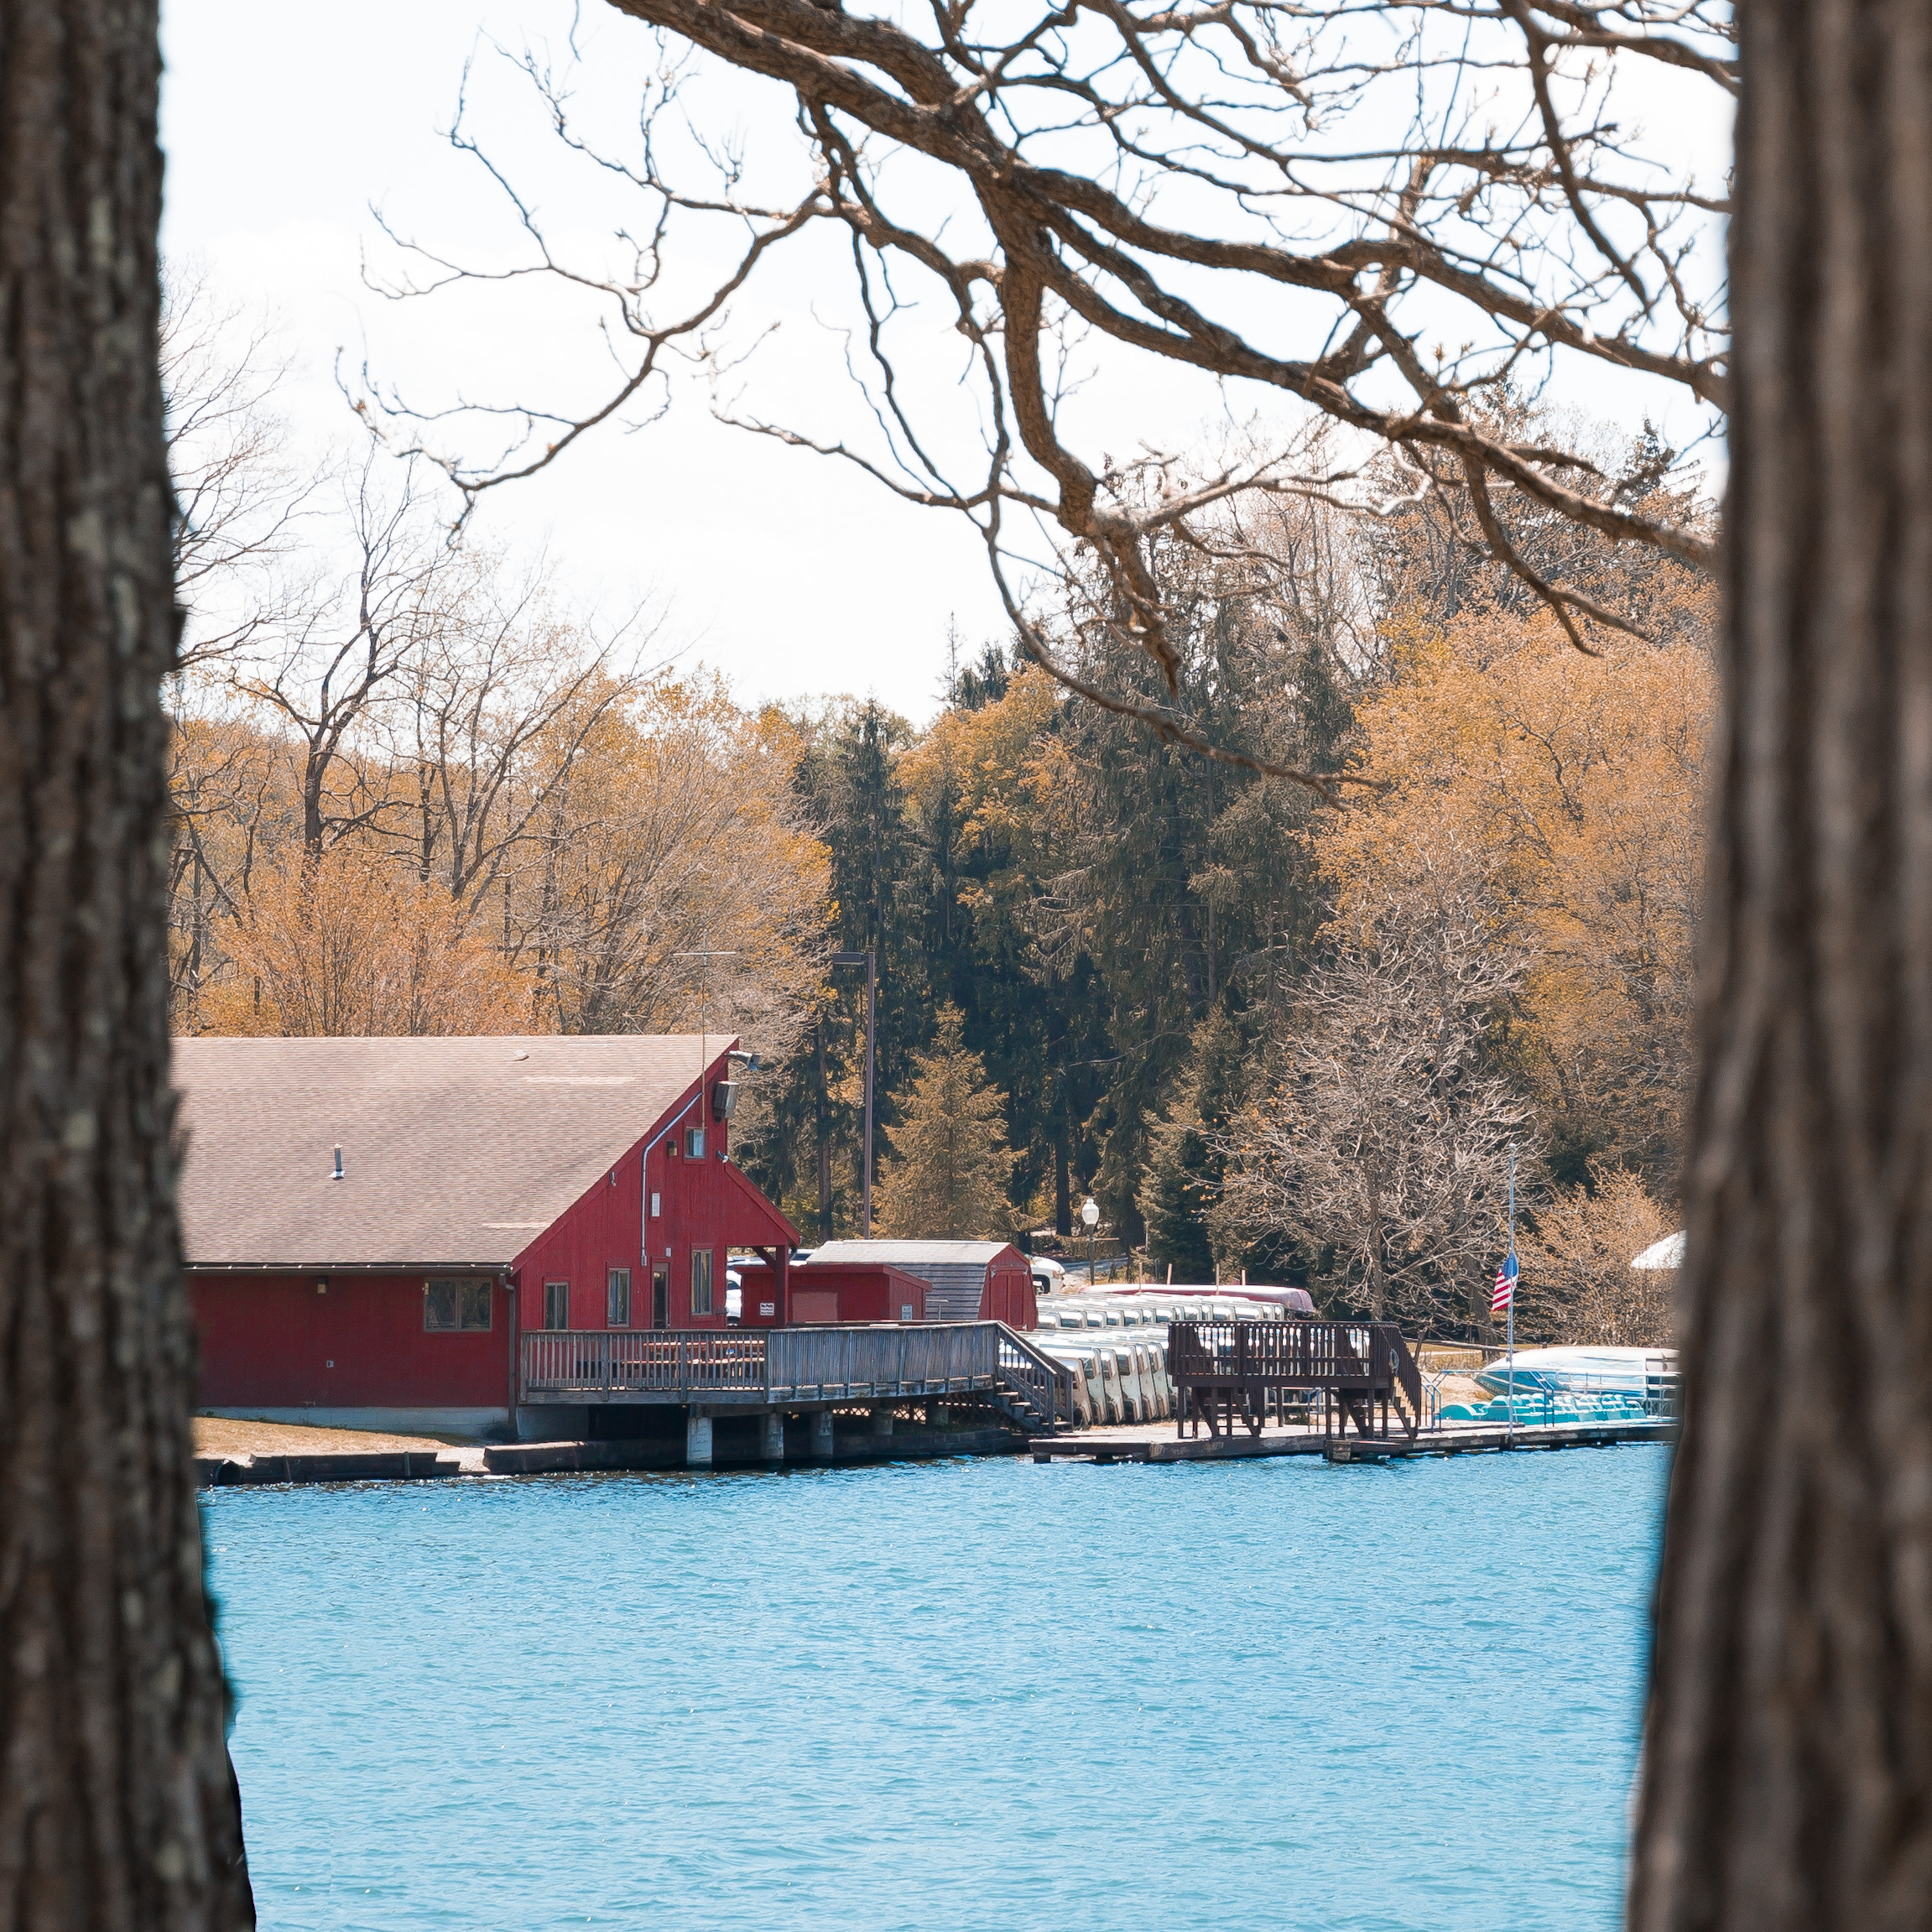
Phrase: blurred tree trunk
(1788,1764)
(117,1806)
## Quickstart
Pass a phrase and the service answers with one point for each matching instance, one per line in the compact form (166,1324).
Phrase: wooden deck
(1230,1374)
(797,1369)
(1130,1444)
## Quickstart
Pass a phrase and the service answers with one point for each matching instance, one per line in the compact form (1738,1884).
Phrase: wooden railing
(829,1364)
(643,1362)
(1362,1362)
(1309,1354)
(1040,1381)
(781,1364)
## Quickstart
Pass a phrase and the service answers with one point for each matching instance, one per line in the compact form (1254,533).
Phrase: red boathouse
(371,1224)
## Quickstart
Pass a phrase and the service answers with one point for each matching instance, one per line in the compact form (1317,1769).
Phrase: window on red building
(617,1309)
(700,1281)
(456,1307)
(556,1304)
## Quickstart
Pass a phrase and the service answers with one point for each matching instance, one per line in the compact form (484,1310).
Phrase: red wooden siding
(1008,1296)
(842,1293)
(703,1203)
(271,1341)
(275,1341)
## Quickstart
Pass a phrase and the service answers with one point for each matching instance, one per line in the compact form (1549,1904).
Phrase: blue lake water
(982,1696)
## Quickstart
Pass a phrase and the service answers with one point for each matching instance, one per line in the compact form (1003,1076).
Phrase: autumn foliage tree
(1577,1283)
(1572,788)
(350,943)
(415,792)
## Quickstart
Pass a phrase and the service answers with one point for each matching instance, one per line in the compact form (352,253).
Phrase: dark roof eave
(348,1267)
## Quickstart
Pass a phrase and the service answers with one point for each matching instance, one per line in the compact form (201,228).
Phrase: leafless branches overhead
(1383,216)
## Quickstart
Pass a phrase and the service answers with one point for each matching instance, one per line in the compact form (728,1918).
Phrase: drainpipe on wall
(508,1279)
(644,1248)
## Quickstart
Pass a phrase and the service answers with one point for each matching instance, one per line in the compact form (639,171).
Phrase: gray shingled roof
(456,1153)
(906,1253)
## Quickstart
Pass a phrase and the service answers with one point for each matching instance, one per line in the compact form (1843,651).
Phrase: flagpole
(1512,1264)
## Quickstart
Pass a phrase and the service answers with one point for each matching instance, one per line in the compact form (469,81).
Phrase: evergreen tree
(1182,1178)
(1194,890)
(1175,1194)
(950,1166)
(810,1159)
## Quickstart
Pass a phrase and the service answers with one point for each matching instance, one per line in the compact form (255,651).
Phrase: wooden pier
(748,1371)
(1227,1373)
(1475,1438)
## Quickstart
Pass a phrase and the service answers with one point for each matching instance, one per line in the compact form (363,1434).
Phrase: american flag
(1505,1291)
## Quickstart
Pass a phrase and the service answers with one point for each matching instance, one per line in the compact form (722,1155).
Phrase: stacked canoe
(1116,1346)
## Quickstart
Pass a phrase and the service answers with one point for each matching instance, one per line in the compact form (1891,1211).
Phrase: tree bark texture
(1788,1764)
(117,1806)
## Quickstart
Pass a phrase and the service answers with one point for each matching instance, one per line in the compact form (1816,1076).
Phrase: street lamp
(1090,1213)
(869,960)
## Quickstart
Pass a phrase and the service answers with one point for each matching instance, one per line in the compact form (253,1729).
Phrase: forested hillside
(1267,1031)
(1282,1024)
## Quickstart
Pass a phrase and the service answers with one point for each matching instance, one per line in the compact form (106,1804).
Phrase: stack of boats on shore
(1116,1343)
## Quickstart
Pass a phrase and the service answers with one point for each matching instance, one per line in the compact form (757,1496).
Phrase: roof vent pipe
(337,1174)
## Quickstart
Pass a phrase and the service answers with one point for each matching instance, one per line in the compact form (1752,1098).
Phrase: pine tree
(1182,1182)
(1176,1193)
(948,1175)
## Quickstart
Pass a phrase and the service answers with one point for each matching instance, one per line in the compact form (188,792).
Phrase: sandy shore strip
(238,1436)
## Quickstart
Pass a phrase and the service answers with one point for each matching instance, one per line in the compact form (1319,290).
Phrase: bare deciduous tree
(238,495)
(1364,215)
(498,701)
(1382,1140)
(345,646)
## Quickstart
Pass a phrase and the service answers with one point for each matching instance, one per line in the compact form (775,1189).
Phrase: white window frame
(618,1298)
(554,1292)
(702,1256)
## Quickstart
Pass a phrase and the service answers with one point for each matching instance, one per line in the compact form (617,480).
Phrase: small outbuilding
(844,1292)
(966,1280)
(370,1224)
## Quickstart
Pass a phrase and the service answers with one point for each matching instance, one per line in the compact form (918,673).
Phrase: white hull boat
(1577,1371)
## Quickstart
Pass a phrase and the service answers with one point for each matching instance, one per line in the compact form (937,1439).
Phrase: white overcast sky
(283,124)
(794,575)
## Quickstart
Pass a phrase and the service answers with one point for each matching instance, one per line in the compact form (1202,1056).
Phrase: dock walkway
(798,1370)
(1127,1444)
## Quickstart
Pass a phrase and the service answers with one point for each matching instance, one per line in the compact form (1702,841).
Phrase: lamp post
(869,960)
(1090,1213)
